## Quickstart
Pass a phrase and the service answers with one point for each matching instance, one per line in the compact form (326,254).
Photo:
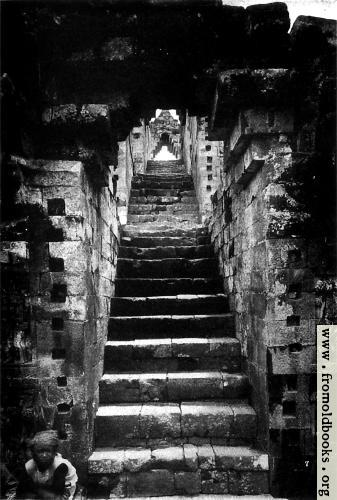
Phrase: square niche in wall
(56,206)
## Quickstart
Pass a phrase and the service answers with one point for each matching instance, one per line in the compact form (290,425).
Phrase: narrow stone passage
(174,415)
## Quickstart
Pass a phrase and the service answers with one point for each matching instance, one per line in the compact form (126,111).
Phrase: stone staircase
(174,416)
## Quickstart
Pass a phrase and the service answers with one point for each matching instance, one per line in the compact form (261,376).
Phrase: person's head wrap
(45,438)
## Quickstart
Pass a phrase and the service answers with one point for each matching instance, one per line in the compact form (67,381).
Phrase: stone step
(181,304)
(161,241)
(164,230)
(142,287)
(203,497)
(166,171)
(161,192)
(171,386)
(142,208)
(180,470)
(163,200)
(178,162)
(161,252)
(166,268)
(169,169)
(136,327)
(188,217)
(124,425)
(164,163)
(181,176)
(164,183)
(173,354)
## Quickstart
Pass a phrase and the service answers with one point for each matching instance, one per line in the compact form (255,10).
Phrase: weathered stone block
(73,198)
(118,388)
(116,424)
(248,483)
(191,456)
(253,121)
(194,386)
(153,483)
(168,458)
(154,387)
(147,349)
(118,488)
(106,462)
(206,457)
(211,419)
(187,483)
(158,421)
(137,459)
(239,458)
(295,358)
(244,424)
(183,348)
(214,482)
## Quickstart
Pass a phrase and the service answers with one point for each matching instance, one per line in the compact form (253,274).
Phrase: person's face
(43,456)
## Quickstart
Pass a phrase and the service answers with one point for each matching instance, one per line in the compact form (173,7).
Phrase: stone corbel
(252,160)
(247,150)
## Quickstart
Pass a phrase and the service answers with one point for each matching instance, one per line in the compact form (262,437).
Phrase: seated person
(47,476)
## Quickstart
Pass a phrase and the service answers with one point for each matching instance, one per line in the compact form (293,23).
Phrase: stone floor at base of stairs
(204,497)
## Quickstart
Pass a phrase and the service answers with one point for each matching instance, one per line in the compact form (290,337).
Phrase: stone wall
(60,254)
(133,154)
(203,159)
(264,235)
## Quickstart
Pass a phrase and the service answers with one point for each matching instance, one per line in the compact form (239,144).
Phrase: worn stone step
(166,171)
(164,183)
(140,287)
(164,217)
(135,327)
(163,227)
(161,192)
(166,168)
(148,241)
(165,163)
(163,241)
(174,364)
(169,169)
(205,497)
(163,200)
(163,230)
(166,268)
(180,470)
(180,304)
(171,386)
(173,354)
(188,217)
(161,252)
(119,424)
(169,176)
(144,208)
